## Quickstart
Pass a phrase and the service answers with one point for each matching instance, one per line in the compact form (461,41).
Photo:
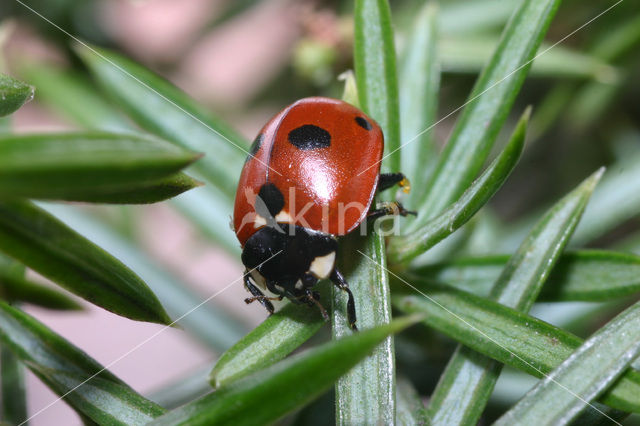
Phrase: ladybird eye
(309,136)
(362,122)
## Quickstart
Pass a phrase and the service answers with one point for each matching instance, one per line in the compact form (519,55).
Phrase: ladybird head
(289,260)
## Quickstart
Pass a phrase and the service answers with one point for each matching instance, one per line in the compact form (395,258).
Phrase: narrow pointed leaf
(269,394)
(479,123)
(367,392)
(271,341)
(104,398)
(419,86)
(591,369)
(174,294)
(587,275)
(44,244)
(145,193)
(208,207)
(14,393)
(375,66)
(468,55)
(161,108)
(16,288)
(79,166)
(407,247)
(409,407)
(468,380)
(489,328)
(13,94)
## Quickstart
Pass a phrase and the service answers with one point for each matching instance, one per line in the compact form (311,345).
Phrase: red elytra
(323,155)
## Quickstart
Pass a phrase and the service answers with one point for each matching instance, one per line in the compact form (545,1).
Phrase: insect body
(311,176)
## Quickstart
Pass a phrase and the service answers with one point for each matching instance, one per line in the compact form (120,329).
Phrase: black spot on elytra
(310,137)
(255,146)
(362,122)
(272,198)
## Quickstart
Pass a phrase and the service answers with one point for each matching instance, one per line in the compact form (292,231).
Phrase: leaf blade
(376,78)
(594,366)
(581,275)
(46,245)
(89,166)
(13,94)
(468,380)
(419,87)
(267,395)
(162,109)
(271,341)
(62,367)
(472,137)
(367,391)
(487,327)
(406,247)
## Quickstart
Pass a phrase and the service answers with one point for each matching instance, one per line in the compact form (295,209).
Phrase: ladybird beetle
(310,177)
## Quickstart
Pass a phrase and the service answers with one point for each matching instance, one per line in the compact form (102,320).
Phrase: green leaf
(72,95)
(487,108)
(271,341)
(13,94)
(208,208)
(146,193)
(14,393)
(468,380)
(367,392)
(468,55)
(419,86)
(406,247)
(16,288)
(91,166)
(375,65)
(180,301)
(587,275)
(159,107)
(269,394)
(591,369)
(508,336)
(46,245)
(409,407)
(103,398)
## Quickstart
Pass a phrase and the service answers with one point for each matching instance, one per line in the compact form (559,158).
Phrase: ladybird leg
(313,298)
(389,209)
(257,295)
(387,180)
(338,280)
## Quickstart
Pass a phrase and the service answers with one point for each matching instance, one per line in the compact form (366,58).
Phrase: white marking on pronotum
(299,285)
(284,216)
(322,266)
(259,221)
